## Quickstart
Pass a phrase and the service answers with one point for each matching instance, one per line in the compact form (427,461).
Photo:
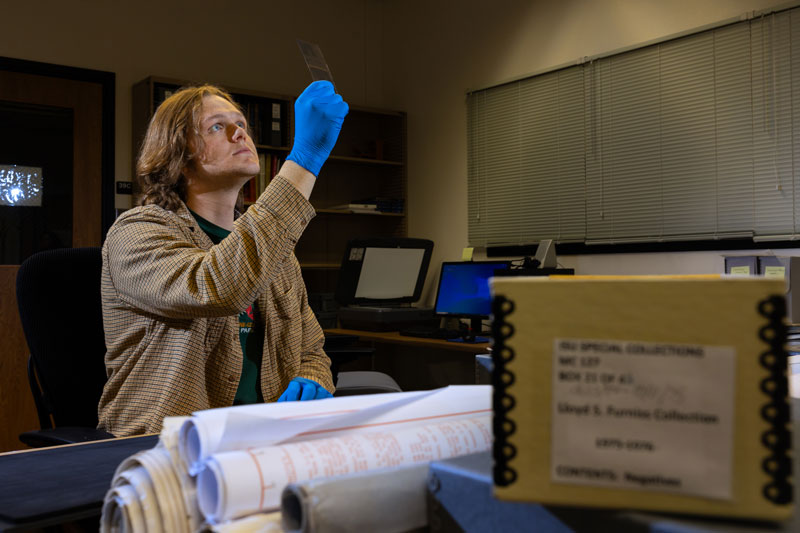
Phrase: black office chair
(342,349)
(58,295)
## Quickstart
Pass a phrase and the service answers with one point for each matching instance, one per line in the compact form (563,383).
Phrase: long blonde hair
(165,149)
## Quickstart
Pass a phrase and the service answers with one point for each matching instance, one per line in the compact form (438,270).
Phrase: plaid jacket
(171,301)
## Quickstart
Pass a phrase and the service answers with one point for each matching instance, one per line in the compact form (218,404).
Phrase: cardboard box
(771,266)
(787,268)
(741,265)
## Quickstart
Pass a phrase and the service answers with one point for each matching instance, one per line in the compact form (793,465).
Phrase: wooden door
(85,99)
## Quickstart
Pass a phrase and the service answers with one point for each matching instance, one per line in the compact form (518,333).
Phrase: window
(691,139)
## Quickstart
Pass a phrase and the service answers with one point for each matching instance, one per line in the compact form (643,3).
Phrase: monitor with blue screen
(464,291)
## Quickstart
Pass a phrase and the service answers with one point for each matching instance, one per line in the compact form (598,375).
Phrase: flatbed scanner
(374,318)
(379,280)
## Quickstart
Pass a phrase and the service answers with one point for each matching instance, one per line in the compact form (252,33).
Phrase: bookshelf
(368,164)
(268,115)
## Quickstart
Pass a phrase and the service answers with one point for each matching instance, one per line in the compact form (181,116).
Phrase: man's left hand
(304,389)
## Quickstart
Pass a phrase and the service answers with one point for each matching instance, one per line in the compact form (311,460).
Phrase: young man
(202,309)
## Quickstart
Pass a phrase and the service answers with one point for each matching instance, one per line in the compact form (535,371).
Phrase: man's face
(229,156)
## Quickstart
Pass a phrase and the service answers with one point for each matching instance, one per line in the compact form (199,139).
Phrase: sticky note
(775,272)
(466,254)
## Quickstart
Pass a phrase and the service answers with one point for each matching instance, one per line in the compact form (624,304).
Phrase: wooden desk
(393,337)
(418,363)
(61,484)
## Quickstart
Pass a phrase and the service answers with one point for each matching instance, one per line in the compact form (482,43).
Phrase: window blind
(689,139)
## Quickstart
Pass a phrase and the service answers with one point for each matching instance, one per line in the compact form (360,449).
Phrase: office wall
(437,50)
(417,55)
(248,44)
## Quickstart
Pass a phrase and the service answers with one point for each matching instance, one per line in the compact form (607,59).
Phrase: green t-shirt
(251,335)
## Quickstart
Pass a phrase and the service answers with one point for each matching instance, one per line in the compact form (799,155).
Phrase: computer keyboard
(430,332)
(334,341)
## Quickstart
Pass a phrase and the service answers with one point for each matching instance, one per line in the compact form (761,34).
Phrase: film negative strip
(315,61)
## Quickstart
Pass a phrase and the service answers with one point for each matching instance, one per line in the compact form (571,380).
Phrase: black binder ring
(779,492)
(502,402)
(775,464)
(778,464)
(776,439)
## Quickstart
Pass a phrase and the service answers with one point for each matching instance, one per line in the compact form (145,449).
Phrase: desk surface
(54,485)
(460,491)
(393,337)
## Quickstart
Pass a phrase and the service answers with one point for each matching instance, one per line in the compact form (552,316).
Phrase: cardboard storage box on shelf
(742,265)
(787,268)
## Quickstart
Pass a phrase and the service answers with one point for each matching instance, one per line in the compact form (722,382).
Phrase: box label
(778,272)
(643,416)
(740,270)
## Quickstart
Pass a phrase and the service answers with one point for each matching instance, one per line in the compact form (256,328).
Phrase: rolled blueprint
(150,492)
(239,483)
(386,500)
(217,430)
(145,495)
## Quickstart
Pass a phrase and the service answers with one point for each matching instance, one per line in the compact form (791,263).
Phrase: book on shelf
(356,207)
(276,133)
(269,165)
(251,113)
(262,171)
(248,190)
(663,394)
(383,204)
(275,166)
(161,93)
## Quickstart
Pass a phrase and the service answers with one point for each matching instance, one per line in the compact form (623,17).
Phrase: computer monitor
(383,271)
(464,291)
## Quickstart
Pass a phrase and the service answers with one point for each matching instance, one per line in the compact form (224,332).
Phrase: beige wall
(437,50)
(417,55)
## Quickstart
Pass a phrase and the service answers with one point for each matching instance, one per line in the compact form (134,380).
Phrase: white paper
(212,431)
(239,483)
(643,415)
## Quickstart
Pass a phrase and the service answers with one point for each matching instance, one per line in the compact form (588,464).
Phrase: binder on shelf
(741,265)
(262,172)
(664,394)
(251,111)
(160,93)
(249,191)
(386,205)
(356,207)
(275,166)
(786,268)
(276,134)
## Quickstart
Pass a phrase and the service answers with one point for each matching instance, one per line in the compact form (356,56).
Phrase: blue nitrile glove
(318,116)
(304,389)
